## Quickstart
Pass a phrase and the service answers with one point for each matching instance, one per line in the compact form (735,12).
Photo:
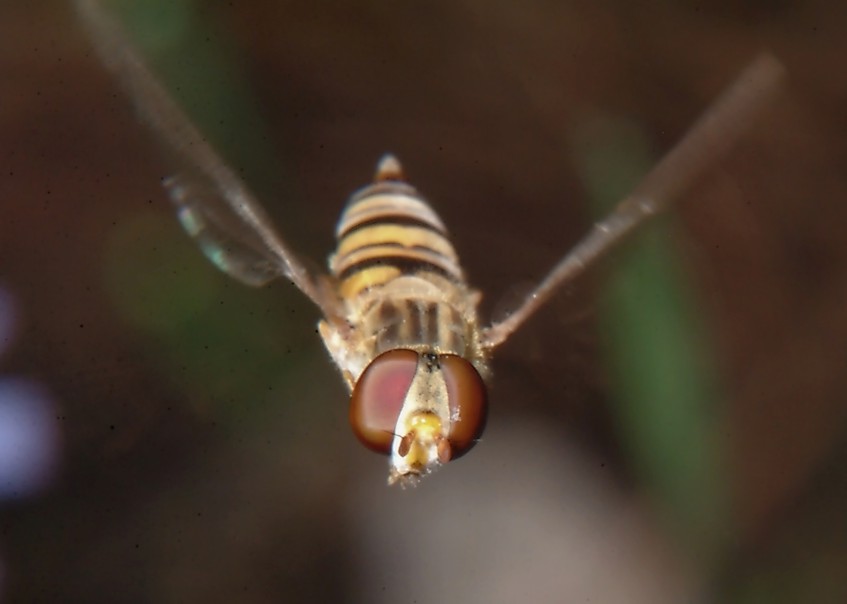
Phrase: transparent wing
(237,254)
(707,141)
(213,204)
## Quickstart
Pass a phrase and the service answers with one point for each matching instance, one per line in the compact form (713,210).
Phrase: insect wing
(703,145)
(234,252)
(214,205)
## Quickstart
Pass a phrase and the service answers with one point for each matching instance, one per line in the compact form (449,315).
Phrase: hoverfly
(399,319)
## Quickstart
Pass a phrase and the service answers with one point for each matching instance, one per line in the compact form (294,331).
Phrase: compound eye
(468,400)
(378,397)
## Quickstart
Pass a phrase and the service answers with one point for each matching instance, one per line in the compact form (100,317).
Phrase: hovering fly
(399,318)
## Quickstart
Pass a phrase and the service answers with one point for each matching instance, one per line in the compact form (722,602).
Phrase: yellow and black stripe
(388,230)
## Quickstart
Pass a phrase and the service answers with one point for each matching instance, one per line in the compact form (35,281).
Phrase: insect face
(421,408)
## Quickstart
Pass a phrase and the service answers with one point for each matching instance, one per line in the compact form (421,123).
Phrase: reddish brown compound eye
(378,397)
(468,401)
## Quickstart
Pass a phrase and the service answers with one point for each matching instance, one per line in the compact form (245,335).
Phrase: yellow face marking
(426,430)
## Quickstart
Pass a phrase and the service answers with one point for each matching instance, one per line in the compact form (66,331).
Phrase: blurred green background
(671,427)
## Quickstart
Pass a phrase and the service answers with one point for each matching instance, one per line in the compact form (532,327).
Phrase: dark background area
(200,450)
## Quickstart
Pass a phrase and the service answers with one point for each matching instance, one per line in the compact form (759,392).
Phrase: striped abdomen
(399,274)
(388,230)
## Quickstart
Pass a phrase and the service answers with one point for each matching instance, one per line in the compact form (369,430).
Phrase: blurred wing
(213,205)
(705,143)
(200,214)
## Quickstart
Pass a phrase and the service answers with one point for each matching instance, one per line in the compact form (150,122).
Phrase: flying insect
(399,319)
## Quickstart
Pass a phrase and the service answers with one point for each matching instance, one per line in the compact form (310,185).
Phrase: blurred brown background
(203,448)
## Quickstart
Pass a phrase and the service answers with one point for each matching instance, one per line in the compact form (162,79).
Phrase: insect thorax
(418,313)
